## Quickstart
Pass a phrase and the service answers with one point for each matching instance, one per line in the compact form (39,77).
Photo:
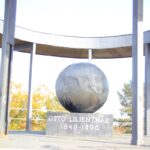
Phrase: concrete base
(79,124)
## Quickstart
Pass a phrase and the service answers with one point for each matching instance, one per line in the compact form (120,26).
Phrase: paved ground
(23,141)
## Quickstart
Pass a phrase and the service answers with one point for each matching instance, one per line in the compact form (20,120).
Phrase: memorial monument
(81,88)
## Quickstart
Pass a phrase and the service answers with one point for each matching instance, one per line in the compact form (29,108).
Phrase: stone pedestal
(79,124)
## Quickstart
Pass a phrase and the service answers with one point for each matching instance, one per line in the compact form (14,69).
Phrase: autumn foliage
(42,101)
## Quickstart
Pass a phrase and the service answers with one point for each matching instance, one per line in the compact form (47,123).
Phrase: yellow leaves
(18,97)
(17,124)
(38,125)
(43,100)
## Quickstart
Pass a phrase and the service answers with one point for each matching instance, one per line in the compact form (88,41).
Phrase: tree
(17,107)
(125,97)
(43,101)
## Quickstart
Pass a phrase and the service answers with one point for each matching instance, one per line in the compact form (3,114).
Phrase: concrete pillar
(30,90)
(90,55)
(6,60)
(147,89)
(137,71)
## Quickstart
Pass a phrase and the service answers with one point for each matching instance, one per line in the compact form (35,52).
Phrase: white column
(137,74)
(89,55)
(6,60)
(147,89)
(30,90)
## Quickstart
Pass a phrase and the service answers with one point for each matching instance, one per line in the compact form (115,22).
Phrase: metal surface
(137,77)
(6,60)
(147,89)
(82,87)
(30,90)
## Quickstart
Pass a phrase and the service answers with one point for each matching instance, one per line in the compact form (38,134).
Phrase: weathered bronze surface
(82,87)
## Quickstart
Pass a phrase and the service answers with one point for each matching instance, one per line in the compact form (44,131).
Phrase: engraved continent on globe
(82,88)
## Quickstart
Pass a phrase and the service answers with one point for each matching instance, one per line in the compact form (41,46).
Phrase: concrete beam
(118,46)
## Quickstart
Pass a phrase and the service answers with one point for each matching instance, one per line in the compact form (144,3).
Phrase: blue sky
(79,18)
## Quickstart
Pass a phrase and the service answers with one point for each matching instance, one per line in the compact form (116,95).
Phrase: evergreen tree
(125,97)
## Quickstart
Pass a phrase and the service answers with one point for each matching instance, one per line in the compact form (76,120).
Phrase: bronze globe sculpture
(82,88)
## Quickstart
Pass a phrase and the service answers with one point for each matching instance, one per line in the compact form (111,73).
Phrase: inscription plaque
(80,124)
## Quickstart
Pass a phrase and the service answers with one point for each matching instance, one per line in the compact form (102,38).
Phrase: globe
(82,88)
